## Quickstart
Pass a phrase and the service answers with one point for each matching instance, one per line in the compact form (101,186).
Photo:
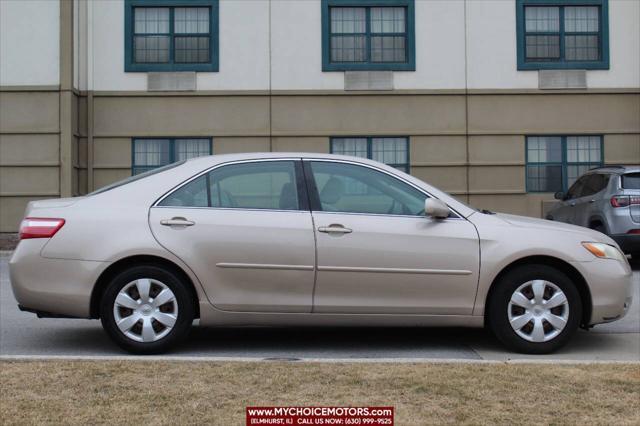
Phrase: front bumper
(629,243)
(57,287)
(611,286)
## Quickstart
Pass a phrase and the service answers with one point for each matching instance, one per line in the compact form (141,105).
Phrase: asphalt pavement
(24,335)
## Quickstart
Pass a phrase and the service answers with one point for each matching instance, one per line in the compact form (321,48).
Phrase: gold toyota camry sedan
(298,239)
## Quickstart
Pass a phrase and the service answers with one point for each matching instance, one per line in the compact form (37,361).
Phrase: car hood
(549,225)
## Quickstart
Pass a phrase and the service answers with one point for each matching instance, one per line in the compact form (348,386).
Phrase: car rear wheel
(534,309)
(147,309)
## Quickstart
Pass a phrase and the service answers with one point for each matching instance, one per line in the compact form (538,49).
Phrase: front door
(246,232)
(378,253)
(566,211)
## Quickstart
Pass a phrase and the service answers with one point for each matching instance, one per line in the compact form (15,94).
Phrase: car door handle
(592,201)
(572,205)
(334,229)
(177,221)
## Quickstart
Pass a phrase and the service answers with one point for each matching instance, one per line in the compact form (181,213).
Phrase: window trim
(602,64)
(214,39)
(563,163)
(327,65)
(370,148)
(308,188)
(172,141)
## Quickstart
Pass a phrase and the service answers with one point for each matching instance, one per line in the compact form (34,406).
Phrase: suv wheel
(534,309)
(146,309)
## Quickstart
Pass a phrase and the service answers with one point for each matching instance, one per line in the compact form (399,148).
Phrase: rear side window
(261,185)
(631,181)
(137,177)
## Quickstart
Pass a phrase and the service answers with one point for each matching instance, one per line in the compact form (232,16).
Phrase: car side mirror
(559,195)
(436,208)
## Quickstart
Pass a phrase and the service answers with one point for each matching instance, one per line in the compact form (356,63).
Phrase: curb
(191,359)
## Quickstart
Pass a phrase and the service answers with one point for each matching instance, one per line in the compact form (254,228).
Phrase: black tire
(600,228)
(498,306)
(183,298)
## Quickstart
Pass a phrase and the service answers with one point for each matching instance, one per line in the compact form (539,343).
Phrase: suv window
(594,184)
(260,185)
(356,189)
(631,181)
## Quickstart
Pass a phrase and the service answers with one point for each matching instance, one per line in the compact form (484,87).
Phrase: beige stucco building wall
(73,136)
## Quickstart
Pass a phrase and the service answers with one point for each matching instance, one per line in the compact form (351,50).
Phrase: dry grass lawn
(150,392)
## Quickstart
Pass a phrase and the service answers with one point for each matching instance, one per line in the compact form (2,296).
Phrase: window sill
(535,66)
(171,67)
(368,67)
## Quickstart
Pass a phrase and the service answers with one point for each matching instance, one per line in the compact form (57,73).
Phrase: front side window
(150,153)
(563,34)
(350,188)
(554,163)
(368,35)
(392,151)
(181,36)
(270,185)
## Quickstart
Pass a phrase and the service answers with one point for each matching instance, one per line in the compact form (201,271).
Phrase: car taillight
(625,200)
(634,232)
(39,227)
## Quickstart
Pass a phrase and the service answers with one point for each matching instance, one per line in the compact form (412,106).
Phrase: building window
(555,162)
(392,151)
(150,153)
(171,35)
(368,35)
(562,34)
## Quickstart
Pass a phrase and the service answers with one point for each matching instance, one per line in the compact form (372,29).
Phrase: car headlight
(604,251)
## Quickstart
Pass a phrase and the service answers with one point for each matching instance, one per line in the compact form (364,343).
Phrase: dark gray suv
(606,199)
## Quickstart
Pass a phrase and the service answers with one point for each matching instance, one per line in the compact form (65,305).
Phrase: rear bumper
(629,243)
(52,287)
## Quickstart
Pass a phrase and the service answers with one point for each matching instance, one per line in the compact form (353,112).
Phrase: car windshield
(631,181)
(136,178)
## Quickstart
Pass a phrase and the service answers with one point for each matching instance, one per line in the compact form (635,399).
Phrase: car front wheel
(534,309)
(147,309)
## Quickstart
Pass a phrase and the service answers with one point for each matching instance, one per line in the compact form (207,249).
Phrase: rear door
(246,231)
(378,253)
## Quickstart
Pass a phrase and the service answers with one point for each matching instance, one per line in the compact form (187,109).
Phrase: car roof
(619,170)
(146,191)
(225,158)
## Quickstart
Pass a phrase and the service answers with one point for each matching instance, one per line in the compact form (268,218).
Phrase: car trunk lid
(54,203)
